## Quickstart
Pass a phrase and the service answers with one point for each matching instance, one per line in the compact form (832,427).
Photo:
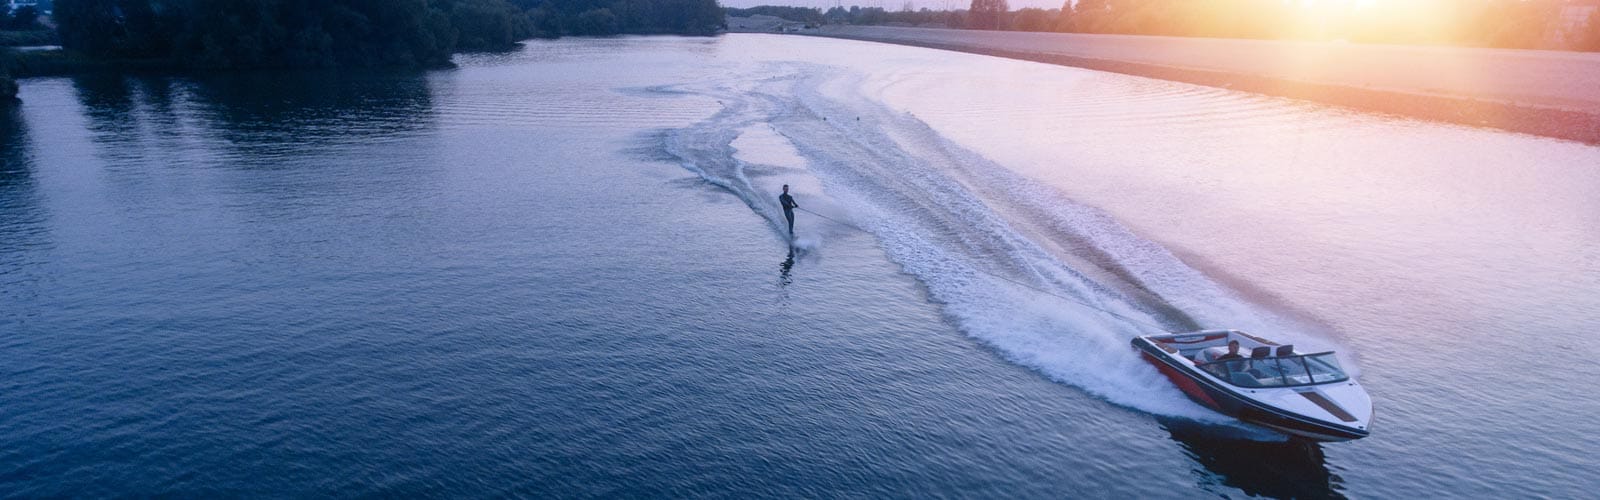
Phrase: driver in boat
(1215,354)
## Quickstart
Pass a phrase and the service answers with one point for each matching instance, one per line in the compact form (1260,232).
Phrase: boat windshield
(1308,369)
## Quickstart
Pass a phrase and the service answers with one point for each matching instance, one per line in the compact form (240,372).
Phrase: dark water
(558,273)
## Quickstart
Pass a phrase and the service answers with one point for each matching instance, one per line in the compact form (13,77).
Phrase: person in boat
(1215,354)
(1233,352)
(788,207)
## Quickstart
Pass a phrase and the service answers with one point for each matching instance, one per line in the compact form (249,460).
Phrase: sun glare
(1398,20)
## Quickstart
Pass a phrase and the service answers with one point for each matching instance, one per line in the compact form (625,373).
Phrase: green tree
(88,26)
(987,14)
(808,15)
(260,33)
(1033,19)
(1066,20)
(486,24)
(24,19)
(1589,38)
(836,15)
(1091,16)
(545,20)
(328,33)
(595,22)
(1516,24)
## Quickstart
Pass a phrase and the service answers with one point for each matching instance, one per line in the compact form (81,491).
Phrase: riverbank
(28,38)
(8,87)
(1543,93)
(57,62)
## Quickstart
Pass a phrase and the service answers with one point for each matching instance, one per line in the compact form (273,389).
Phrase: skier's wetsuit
(788,209)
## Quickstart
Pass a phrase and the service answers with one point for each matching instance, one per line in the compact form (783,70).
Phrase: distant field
(1540,92)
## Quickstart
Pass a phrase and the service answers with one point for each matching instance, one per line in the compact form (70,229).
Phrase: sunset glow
(1491,23)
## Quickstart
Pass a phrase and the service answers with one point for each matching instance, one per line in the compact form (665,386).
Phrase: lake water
(562,272)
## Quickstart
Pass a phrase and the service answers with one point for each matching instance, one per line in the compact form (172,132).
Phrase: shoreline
(1582,125)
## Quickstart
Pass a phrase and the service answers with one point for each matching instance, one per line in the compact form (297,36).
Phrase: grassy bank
(24,64)
(30,38)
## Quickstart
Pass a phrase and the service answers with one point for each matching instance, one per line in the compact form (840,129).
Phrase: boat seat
(1286,350)
(1261,352)
(1209,354)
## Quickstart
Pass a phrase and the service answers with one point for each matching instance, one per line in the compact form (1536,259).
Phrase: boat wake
(1048,283)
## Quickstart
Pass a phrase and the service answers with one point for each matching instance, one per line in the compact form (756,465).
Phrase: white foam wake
(1013,263)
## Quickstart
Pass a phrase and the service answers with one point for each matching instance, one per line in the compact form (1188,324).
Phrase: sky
(890,4)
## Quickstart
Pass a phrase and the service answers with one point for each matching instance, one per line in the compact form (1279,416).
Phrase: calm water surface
(560,272)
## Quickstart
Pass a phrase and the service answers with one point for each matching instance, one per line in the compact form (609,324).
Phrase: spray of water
(1048,283)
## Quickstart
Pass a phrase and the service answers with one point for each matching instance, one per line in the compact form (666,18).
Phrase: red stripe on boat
(1188,385)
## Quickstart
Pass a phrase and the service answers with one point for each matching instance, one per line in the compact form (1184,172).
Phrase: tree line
(808,15)
(25,18)
(18,28)
(22,28)
(351,33)
(1525,24)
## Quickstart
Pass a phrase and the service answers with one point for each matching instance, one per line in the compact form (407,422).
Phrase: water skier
(788,208)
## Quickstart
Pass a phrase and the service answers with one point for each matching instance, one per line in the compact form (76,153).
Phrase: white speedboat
(1305,395)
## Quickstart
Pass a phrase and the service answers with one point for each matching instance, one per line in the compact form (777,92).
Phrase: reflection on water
(21,218)
(15,175)
(250,114)
(315,106)
(13,145)
(1290,468)
(130,117)
(784,279)
(105,97)
(15,161)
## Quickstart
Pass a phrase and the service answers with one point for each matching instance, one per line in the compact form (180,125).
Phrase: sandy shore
(1553,94)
